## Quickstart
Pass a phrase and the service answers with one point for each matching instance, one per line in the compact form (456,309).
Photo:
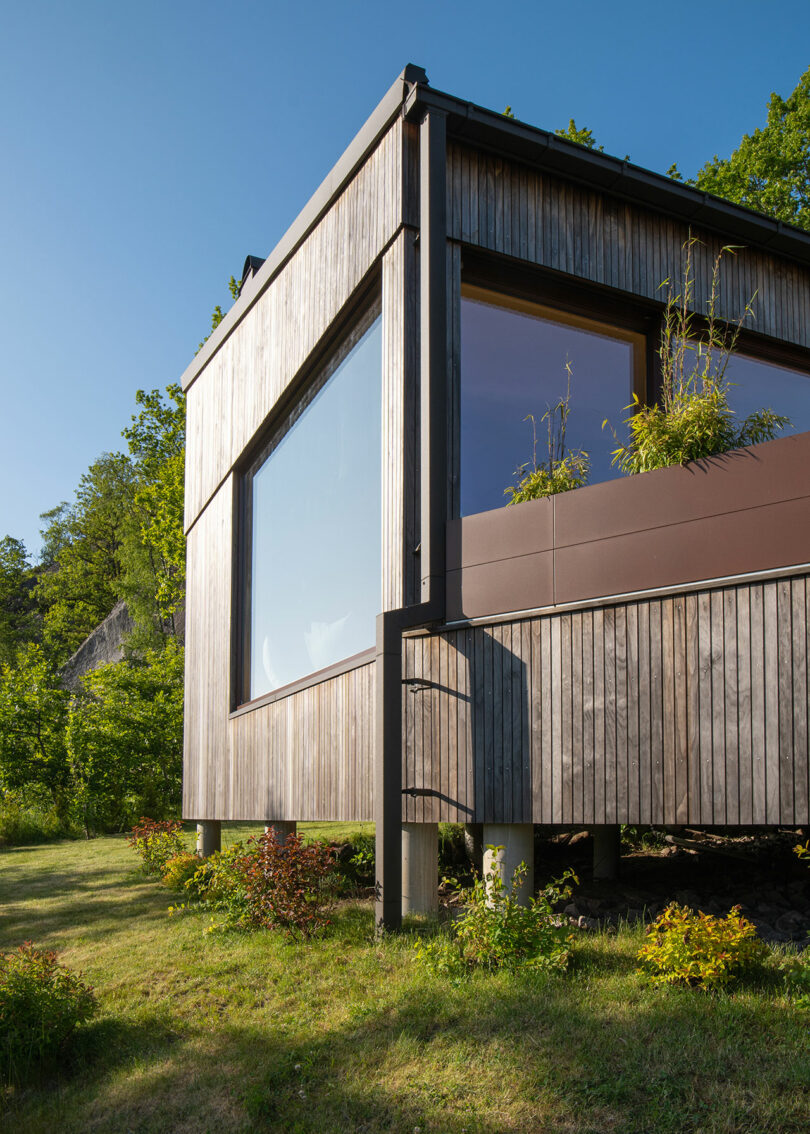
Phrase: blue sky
(147,148)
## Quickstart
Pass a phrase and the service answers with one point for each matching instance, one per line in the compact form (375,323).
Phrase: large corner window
(513,364)
(755,384)
(313,511)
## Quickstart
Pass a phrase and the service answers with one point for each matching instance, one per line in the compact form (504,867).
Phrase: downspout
(433,519)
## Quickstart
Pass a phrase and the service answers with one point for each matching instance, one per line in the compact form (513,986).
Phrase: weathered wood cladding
(691,708)
(509,208)
(400,442)
(305,756)
(239,387)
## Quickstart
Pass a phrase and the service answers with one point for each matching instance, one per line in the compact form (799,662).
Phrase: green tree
(33,716)
(153,549)
(18,612)
(82,585)
(125,740)
(770,169)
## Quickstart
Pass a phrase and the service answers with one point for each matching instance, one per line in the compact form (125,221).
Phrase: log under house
(371,634)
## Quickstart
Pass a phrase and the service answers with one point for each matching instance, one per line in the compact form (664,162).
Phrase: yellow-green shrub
(699,949)
(179,869)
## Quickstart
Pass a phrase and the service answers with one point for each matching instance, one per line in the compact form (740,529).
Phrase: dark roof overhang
(411,95)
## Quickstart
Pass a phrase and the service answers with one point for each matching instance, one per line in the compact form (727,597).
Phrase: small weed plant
(494,931)
(41,1002)
(563,469)
(156,841)
(692,419)
(699,949)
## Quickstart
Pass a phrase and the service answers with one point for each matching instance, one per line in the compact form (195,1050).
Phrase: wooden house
(371,634)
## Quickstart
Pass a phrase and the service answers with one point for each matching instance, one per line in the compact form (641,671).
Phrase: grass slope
(230,1032)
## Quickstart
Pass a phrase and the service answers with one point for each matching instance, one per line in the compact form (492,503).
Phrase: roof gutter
(411,96)
(518,141)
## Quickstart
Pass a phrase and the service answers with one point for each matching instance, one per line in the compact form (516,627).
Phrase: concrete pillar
(606,852)
(209,837)
(474,844)
(420,868)
(282,828)
(516,844)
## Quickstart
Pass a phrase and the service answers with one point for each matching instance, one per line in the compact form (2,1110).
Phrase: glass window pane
(756,385)
(513,364)
(315,564)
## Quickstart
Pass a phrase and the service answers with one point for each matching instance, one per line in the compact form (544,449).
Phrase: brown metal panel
(769,473)
(511,584)
(759,539)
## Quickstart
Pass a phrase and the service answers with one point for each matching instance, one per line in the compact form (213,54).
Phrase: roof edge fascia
(410,95)
(510,138)
(378,123)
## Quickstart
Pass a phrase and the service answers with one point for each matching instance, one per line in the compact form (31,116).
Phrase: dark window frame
(342,336)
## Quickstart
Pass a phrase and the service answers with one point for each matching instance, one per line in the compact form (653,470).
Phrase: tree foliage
(770,169)
(153,553)
(18,609)
(81,585)
(33,718)
(583,136)
(124,740)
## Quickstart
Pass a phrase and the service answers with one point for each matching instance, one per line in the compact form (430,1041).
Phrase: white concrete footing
(606,852)
(420,868)
(515,843)
(209,837)
(282,828)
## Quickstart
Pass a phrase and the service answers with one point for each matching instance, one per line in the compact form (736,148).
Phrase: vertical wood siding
(239,387)
(509,208)
(686,709)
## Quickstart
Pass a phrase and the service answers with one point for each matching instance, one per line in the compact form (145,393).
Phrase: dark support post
(606,852)
(388,772)
(433,519)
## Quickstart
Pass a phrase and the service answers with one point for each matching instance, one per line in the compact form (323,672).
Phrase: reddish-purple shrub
(156,841)
(285,883)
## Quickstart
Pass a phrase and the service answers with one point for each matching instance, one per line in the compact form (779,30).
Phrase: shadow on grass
(494,1054)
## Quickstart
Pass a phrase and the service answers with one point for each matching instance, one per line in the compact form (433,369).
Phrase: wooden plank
(784,695)
(757,649)
(771,702)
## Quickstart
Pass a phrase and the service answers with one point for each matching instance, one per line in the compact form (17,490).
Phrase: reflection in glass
(759,385)
(315,563)
(513,364)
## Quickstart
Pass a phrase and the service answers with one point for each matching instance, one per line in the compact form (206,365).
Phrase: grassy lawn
(229,1032)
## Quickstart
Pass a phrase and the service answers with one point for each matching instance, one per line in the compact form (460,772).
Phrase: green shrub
(220,885)
(31,818)
(179,870)
(41,1002)
(699,949)
(692,419)
(156,841)
(796,973)
(495,931)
